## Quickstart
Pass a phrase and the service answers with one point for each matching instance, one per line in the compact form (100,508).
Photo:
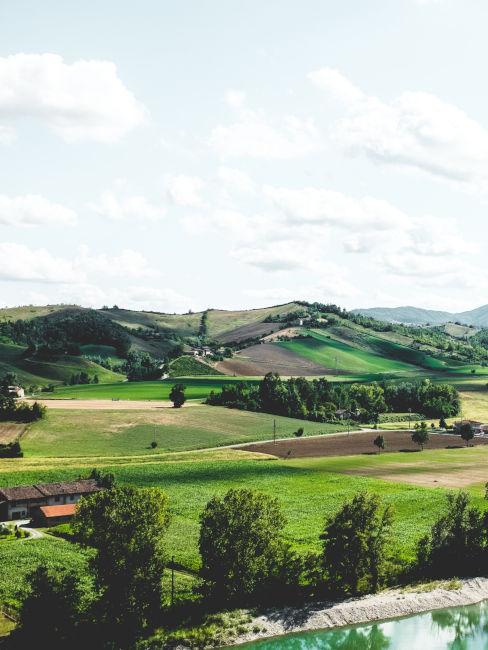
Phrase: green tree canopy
(355,545)
(240,542)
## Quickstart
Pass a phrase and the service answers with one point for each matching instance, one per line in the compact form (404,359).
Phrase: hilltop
(417,316)
(69,344)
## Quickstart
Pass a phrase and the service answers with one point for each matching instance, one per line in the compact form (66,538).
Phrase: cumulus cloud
(416,130)
(84,100)
(253,134)
(7,134)
(123,207)
(185,190)
(235,179)
(21,263)
(320,206)
(34,210)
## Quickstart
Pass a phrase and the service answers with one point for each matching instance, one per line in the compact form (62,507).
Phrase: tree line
(246,560)
(319,400)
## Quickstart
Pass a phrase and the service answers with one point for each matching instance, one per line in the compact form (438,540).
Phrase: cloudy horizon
(195,155)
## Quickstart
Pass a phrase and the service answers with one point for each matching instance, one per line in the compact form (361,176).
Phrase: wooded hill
(63,343)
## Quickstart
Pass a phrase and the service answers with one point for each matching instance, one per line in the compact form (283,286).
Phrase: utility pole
(274,432)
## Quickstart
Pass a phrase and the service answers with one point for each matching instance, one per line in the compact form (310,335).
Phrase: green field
(196,388)
(309,490)
(67,433)
(335,354)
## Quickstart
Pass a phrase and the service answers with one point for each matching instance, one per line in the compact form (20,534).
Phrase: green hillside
(340,356)
(57,370)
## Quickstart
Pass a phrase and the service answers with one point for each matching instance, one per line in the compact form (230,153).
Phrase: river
(460,628)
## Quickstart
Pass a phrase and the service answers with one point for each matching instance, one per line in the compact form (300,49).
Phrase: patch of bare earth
(250,331)
(267,357)
(10,432)
(107,404)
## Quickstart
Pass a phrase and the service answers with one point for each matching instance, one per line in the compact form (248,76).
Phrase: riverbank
(392,603)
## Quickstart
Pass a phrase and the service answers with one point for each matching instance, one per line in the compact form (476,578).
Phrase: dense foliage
(356,546)
(65,331)
(319,400)
(125,526)
(140,366)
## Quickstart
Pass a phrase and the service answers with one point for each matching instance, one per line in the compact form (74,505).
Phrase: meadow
(68,433)
(196,388)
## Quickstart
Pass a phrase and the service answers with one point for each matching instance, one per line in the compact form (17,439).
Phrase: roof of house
(474,423)
(58,511)
(42,490)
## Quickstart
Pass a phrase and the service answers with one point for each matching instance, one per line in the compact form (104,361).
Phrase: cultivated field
(196,388)
(271,357)
(344,444)
(68,433)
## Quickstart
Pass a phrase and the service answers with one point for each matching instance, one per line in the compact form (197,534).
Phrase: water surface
(460,628)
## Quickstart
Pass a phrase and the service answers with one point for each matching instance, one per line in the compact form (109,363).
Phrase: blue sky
(192,154)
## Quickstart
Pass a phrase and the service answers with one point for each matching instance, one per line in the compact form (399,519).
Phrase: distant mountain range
(417,316)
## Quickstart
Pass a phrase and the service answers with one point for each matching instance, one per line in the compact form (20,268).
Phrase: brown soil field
(10,432)
(106,404)
(355,443)
(248,332)
(267,357)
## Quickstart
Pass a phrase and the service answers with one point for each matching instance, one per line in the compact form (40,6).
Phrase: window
(57,498)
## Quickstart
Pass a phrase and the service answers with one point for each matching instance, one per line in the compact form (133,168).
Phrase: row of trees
(245,559)
(318,400)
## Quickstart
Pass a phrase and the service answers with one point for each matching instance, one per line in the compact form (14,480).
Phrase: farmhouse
(478,427)
(201,352)
(47,516)
(16,391)
(24,501)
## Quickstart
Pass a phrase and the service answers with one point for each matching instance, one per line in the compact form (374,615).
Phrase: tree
(442,424)
(299,432)
(125,526)
(455,544)
(355,545)
(379,442)
(421,435)
(177,395)
(240,541)
(467,432)
(53,614)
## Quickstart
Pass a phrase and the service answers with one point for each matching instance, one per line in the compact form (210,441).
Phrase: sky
(232,154)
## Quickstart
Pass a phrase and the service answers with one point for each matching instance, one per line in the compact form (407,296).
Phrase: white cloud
(185,190)
(20,263)
(122,207)
(234,179)
(319,206)
(253,134)
(127,264)
(33,210)
(417,130)
(84,100)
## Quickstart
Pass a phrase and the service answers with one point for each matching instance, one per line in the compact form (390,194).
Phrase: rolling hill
(293,339)
(416,316)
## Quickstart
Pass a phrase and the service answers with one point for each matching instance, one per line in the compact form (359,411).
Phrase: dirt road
(107,404)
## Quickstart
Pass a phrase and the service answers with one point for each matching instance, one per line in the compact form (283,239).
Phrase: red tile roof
(58,511)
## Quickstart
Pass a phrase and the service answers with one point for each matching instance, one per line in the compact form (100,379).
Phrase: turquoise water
(461,628)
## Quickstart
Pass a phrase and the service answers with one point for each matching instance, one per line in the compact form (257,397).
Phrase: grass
(189,366)
(33,371)
(196,388)
(335,354)
(309,489)
(68,433)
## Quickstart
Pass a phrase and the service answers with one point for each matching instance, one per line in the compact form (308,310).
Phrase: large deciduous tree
(125,526)
(240,543)
(355,545)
